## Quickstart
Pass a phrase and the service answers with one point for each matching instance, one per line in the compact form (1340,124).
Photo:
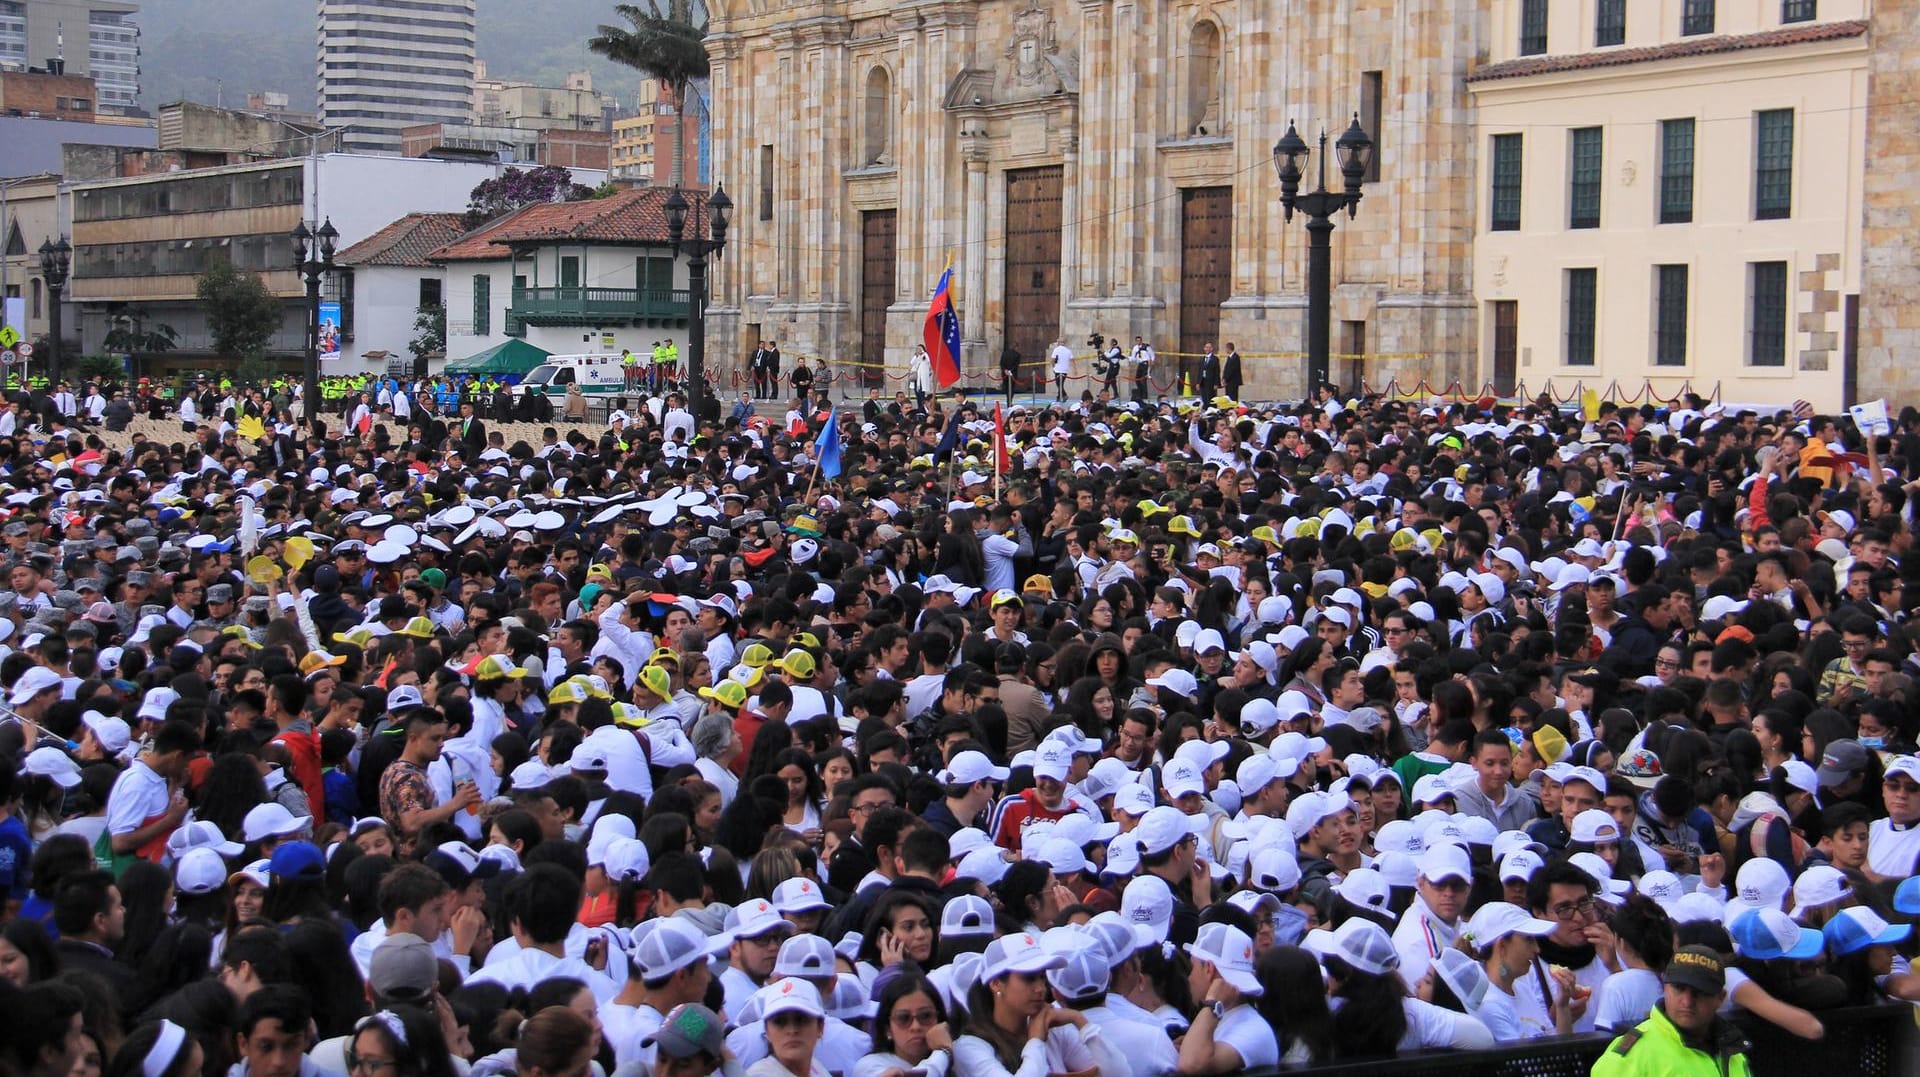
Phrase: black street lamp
(697,249)
(56,258)
(313,259)
(1320,206)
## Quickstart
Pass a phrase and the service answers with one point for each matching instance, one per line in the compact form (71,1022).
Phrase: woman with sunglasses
(910,1032)
(400,1042)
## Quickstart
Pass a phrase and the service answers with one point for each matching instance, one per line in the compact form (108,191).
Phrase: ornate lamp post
(313,259)
(697,249)
(1320,206)
(56,258)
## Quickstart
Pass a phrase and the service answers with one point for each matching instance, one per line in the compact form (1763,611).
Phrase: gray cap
(139,525)
(403,968)
(255,604)
(81,627)
(87,583)
(140,578)
(220,592)
(148,545)
(8,601)
(68,600)
(104,542)
(127,553)
(16,529)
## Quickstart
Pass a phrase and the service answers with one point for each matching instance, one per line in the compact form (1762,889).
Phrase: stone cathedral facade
(1091,165)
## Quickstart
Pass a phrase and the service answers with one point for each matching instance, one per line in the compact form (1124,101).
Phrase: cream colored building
(1682,208)
(1090,165)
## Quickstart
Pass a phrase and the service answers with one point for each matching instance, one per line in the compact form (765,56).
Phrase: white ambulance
(596,375)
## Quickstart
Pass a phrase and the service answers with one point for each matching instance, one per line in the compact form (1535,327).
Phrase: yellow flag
(251,427)
(1590,404)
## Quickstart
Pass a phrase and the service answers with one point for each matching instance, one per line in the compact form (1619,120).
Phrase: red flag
(1002,460)
(942,331)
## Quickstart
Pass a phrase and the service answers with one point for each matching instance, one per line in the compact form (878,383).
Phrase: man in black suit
(473,432)
(1209,373)
(91,918)
(1230,376)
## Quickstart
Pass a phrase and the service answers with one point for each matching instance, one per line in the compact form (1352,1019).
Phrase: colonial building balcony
(576,305)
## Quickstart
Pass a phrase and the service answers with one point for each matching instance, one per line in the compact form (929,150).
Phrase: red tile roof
(406,242)
(628,217)
(1694,46)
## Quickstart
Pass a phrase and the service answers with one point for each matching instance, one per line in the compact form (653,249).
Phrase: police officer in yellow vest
(630,366)
(1685,1034)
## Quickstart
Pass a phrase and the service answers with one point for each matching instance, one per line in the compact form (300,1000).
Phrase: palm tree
(668,45)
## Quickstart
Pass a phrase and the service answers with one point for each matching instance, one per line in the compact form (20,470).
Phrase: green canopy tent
(515,358)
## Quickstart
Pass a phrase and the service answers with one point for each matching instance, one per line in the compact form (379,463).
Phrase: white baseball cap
(1818,885)
(1443,861)
(1020,952)
(1274,869)
(670,946)
(966,915)
(1359,942)
(1230,952)
(1595,827)
(270,820)
(755,918)
(1497,919)
(1163,828)
(55,764)
(1148,901)
(1182,777)
(200,871)
(807,956)
(799,894)
(790,995)
(969,767)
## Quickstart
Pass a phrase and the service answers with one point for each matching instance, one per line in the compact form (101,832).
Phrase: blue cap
(1906,898)
(1854,929)
(295,859)
(1767,934)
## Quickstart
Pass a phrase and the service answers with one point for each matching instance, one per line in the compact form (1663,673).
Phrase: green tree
(666,40)
(429,332)
(242,316)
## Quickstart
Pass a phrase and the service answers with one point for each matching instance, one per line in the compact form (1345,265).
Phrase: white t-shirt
(1244,1030)
(138,795)
(721,777)
(529,967)
(1625,1000)
(1498,1014)
(1430,1026)
(1892,849)
(1062,359)
(1137,1034)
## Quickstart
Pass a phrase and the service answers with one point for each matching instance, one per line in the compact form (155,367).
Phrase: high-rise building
(385,65)
(92,38)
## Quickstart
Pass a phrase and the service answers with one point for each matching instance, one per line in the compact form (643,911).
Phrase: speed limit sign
(25,350)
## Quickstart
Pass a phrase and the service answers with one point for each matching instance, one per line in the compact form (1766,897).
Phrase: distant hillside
(201,50)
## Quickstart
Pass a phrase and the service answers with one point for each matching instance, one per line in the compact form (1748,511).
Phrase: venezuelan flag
(942,332)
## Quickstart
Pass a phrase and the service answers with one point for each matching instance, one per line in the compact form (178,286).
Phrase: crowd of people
(1124,738)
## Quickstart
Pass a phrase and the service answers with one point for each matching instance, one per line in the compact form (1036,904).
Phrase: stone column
(1890,262)
(973,310)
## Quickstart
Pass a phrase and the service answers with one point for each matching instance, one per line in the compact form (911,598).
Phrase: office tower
(385,65)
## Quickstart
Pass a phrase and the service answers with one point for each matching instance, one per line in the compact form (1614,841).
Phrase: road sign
(6,358)
(25,350)
(9,336)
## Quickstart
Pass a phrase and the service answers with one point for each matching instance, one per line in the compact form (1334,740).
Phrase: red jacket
(1020,812)
(304,747)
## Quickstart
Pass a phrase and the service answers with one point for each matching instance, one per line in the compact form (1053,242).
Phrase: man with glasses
(755,946)
(1845,677)
(1581,941)
(186,601)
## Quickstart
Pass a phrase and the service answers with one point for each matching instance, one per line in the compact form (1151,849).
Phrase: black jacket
(77,956)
